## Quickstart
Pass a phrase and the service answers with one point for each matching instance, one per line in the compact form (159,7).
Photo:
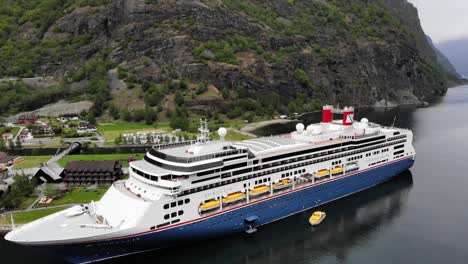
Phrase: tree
(138,115)
(18,142)
(179,119)
(11,144)
(118,140)
(202,87)
(114,112)
(2,145)
(126,115)
(51,191)
(179,98)
(21,188)
(91,117)
(150,115)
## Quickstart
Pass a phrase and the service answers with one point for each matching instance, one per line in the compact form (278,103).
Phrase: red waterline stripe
(259,201)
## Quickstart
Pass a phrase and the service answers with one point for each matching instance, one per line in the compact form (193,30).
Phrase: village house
(86,127)
(26,135)
(26,119)
(7,161)
(92,172)
(41,128)
(7,136)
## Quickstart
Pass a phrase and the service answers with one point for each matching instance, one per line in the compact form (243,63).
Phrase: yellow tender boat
(259,190)
(281,184)
(337,170)
(317,217)
(322,173)
(233,197)
(209,205)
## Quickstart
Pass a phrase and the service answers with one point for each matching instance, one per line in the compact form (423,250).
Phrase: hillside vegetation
(263,57)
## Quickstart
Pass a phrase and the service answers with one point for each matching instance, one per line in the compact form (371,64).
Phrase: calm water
(420,217)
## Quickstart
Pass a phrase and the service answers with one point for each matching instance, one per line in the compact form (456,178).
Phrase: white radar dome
(222,132)
(365,120)
(300,127)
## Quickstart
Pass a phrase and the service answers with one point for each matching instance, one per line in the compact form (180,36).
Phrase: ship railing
(155,152)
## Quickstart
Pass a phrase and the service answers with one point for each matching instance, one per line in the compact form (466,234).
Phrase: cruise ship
(189,191)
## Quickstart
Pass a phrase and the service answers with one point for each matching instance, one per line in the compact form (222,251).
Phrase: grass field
(122,157)
(32,161)
(27,202)
(26,217)
(111,131)
(79,195)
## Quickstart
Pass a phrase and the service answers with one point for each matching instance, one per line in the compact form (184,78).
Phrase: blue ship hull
(234,220)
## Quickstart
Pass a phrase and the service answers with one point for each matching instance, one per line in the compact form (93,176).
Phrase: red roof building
(27,119)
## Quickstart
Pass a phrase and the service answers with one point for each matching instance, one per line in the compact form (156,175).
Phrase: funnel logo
(350,118)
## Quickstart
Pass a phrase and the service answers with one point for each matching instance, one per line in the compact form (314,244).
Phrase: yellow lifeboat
(281,184)
(233,197)
(322,173)
(259,190)
(337,170)
(316,218)
(212,204)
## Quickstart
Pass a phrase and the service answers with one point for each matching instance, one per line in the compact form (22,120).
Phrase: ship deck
(57,229)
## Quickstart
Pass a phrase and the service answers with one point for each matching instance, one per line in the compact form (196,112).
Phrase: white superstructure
(191,181)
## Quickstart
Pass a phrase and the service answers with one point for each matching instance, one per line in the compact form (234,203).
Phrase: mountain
(456,50)
(256,57)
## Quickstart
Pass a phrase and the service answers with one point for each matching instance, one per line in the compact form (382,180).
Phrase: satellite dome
(222,132)
(300,127)
(365,120)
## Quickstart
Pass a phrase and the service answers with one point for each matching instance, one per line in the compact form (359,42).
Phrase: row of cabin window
(145,175)
(178,203)
(399,146)
(336,162)
(395,138)
(355,158)
(287,174)
(218,184)
(335,147)
(378,162)
(173,214)
(261,181)
(165,224)
(301,158)
(317,155)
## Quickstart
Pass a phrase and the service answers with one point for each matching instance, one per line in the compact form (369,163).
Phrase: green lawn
(122,157)
(27,202)
(80,195)
(123,126)
(15,130)
(111,131)
(26,217)
(32,161)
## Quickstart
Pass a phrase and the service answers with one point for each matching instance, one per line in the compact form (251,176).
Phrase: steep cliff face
(349,52)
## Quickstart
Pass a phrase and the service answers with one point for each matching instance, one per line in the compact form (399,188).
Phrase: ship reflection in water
(350,222)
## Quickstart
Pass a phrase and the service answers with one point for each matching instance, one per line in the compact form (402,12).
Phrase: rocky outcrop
(156,39)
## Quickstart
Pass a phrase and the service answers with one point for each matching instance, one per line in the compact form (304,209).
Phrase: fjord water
(419,217)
